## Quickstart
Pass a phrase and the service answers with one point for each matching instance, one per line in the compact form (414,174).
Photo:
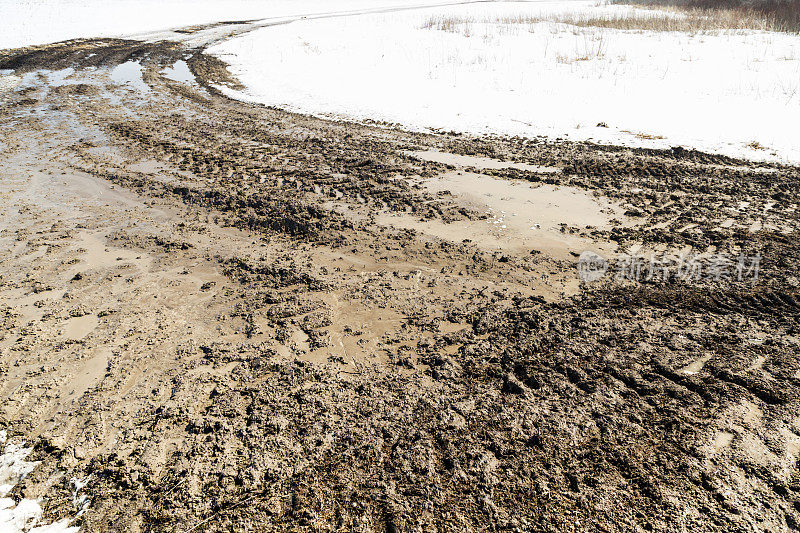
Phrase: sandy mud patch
(519,217)
(481,163)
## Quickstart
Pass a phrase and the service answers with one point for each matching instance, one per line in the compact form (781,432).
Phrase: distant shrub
(674,15)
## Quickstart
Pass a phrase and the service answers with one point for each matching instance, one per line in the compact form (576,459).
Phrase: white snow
(736,93)
(14,467)
(79,501)
(29,22)
(22,517)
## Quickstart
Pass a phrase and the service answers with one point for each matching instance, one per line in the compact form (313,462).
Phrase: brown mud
(234,318)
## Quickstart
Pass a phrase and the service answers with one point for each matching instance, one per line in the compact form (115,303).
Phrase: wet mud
(234,318)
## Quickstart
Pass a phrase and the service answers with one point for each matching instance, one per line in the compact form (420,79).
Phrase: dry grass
(692,20)
(777,15)
(449,24)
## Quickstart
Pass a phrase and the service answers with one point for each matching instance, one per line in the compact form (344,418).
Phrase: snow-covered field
(735,93)
(28,22)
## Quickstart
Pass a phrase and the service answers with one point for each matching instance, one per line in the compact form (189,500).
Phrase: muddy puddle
(696,366)
(519,217)
(129,74)
(481,163)
(53,78)
(58,78)
(179,72)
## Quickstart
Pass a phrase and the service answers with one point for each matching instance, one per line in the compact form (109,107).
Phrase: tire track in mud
(478,399)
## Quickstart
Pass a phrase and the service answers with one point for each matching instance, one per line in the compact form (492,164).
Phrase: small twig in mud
(175,486)
(220,511)
(358,369)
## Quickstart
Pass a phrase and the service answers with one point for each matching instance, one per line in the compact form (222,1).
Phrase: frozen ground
(736,93)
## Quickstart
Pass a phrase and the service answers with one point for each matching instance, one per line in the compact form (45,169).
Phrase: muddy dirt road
(232,318)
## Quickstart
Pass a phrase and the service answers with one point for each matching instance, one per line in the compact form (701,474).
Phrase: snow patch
(31,22)
(735,92)
(14,467)
(24,517)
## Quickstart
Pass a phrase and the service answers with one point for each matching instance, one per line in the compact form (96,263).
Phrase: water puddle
(179,72)
(129,74)
(520,217)
(695,366)
(57,78)
(481,163)
(52,78)
(17,83)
